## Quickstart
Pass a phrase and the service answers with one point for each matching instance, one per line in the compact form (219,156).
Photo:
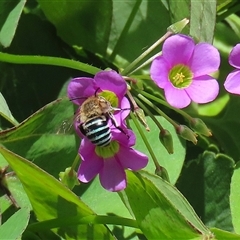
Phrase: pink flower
(232,83)
(110,161)
(107,84)
(183,71)
(108,158)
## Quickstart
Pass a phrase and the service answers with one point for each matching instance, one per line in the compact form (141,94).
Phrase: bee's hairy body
(94,115)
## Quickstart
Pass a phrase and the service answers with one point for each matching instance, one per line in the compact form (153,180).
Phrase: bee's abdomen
(97,131)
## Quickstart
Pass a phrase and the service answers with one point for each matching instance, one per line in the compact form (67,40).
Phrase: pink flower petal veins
(86,149)
(178,49)
(80,88)
(127,140)
(159,71)
(205,59)
(234,56)
(203,89)
(89,168)
(120,115)
(111,81)
(178,98)
(112,176)
(132,159)
(232,83)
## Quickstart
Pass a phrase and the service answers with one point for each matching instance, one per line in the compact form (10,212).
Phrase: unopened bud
(200,127)
(178,26)
(69,178)
(162,172)
(141,117)
(166,140)
(186,133)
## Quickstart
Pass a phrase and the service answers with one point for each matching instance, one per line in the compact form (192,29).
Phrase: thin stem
(75,163)
(76,220)
(149,103)
(45,60)
(145,63)
(184,114)
(132,65)
(150,150)
(145,109)
(125,29)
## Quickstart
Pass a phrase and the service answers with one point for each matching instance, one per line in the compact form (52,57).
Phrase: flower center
(180,76)
(107,151)
(110,97)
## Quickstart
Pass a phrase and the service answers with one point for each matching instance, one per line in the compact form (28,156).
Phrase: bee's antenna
(96,92)
(77,98)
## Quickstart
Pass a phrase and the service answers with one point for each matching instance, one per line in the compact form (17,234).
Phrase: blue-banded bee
(93,117)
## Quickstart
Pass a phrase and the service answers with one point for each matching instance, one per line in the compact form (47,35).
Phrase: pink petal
(127,139)
(232,83)
(132,159)
(90,166)
(112,175)
(234,58)
(203,89)
(120,115)
(205,59)
(112,81)
(86,149)
(159,71)
(178,98)
(80,88)
(178,49)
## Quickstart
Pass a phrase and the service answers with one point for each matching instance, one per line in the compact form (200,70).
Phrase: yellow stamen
(179,78)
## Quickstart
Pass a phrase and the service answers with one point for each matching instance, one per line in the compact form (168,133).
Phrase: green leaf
(226,127)
(14,227)
(82,23)
(211,176)
(235,198)
(106,203)
(136,25)
(203,20)
(9,28)
(41,137)
(5,111)
(51,199)
(180,10)
(171,162)
(218,171)
(221,234)
(17,191)
(160,210)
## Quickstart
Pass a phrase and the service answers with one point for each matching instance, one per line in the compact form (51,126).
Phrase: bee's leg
(113,120)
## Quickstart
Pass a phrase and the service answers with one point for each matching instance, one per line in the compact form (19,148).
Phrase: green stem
(125,30)
(132,65)
(149,103)
(45,60)
(150,150)
(145,109)
(184,114)
(145,63)
(76,220)
(75,163)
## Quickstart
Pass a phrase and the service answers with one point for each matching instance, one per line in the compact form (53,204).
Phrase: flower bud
(162,172)
(200,127)
(166,140)
(186,133)
(69,178)
(178,26)
(141,117)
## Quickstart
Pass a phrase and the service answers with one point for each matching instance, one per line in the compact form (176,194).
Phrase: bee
(93,116)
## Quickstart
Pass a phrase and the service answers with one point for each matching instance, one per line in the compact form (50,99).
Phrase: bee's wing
(67,125)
